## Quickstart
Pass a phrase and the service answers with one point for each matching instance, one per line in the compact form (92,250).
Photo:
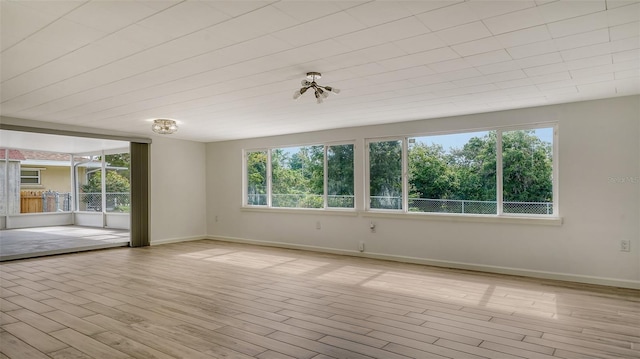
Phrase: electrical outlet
(361,246)
(625,245)
(318,225)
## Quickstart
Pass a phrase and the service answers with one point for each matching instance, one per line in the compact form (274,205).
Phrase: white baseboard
(576,278)
(176,240)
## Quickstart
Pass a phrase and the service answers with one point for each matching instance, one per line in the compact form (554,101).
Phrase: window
(489,172)
(385,174)
(453,173)
(256,178)
(317,176)
(30,176)
(116,187)
(340,176)
(297,177)
(527,171)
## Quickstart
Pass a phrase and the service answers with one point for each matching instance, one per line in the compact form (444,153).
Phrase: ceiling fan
(321,92)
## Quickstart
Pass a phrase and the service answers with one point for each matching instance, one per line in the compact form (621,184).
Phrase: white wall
(178,207)
(599,160)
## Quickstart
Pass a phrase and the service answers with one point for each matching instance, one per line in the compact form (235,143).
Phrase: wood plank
(70,321)
(36,320)
(34,337)
(162,344)
(129,347)
(15,348)
(69,353)
(88,345)
(63,305)
(27,303)
(266,342)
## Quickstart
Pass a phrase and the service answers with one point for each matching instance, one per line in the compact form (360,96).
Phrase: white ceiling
(57,143)
(228,69)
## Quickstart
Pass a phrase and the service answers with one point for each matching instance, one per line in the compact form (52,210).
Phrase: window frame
(499,173)
(269,205)
(38,176)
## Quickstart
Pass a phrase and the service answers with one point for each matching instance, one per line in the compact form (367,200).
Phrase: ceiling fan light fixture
(320,92)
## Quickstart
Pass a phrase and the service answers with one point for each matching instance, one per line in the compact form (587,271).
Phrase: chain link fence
(116,202)
(298,200)
(254,199)
(340,201)
(385,202)
(461,206)
(301,200)
(415,204)
(528,207)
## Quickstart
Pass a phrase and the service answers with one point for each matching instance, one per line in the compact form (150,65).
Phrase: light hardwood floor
(208,299)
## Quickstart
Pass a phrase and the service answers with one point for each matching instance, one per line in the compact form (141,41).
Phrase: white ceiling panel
(524,36)
(109,16)
(561,10)
(228,69)
(579,24)
(477,46)
(378,12)
(490,8)
(449,16)
(17,22)
(464,33)
(514,21)
(420,43)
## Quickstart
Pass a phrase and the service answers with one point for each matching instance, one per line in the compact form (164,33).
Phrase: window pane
(527,171)
(297,177)
(117,183)
(257,178)
(29,173)
(453,173)
(385,175)
(28,180)
(90,184)
(340,176)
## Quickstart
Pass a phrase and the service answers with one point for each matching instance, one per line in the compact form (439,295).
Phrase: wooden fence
(41,201)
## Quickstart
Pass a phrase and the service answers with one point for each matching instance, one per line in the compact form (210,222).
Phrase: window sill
(314,211)
(482,218)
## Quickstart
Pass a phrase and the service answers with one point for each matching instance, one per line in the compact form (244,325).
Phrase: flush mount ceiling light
(164,126)
(321,92)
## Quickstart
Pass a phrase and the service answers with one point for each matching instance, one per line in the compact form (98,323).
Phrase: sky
(458,140)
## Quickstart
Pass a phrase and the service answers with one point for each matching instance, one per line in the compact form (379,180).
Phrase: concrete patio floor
(43,241)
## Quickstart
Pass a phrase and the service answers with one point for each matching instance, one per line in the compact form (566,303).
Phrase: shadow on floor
(43,241)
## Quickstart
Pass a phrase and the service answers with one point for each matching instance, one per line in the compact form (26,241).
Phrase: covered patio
(58,194)
(43,241)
